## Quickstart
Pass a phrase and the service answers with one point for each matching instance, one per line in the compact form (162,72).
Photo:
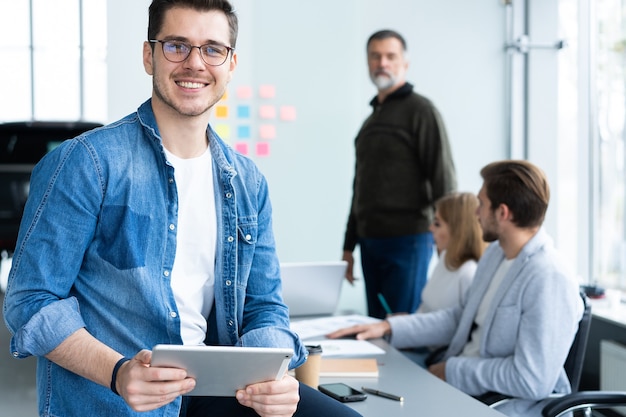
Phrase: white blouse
(446,288)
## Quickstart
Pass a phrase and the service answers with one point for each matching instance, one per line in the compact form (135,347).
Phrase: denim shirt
(96,247)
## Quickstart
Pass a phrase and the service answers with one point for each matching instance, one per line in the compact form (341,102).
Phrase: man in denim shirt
(151,230)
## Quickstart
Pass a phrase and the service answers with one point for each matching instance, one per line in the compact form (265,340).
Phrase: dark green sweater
(403,165)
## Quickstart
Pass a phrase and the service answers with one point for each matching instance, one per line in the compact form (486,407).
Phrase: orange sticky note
(288,113)
(221,112)
(267,112)
(267,91)
(242,148)
(263,149)
(267,131)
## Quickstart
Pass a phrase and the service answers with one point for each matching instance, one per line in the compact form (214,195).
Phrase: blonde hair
(458,210)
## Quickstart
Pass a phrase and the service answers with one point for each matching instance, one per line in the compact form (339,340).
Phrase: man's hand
(439,370)
(363,331)
(348,257)
(273,398)
(147,388)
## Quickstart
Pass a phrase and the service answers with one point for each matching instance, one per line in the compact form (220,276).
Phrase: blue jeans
(312,404)
(397,268)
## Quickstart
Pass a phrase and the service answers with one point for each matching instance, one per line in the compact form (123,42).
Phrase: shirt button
(228,282)
(173,314)
(230,238)
(248,237)
(16,354)
(230,322)
(172,227)
(166,273)
(171,180)
(229,195)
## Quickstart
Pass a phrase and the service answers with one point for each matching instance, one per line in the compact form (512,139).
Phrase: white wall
(315,55)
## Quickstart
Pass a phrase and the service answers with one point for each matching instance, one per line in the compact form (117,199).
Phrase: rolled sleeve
(47,329)
(276,337)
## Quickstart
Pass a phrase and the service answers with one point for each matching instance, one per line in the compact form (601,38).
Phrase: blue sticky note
(243,112)
(243,132)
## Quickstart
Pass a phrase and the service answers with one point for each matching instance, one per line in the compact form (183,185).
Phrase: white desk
(424,394)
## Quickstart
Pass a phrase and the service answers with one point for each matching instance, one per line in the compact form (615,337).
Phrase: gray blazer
(528,331)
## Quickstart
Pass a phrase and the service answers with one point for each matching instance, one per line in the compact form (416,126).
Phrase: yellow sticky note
(221,112)
(223,131)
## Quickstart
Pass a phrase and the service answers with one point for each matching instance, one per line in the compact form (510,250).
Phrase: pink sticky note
(288,113)
(263,149)
(267,91)
(267,131)
(242,148)
(244,91)
(267,112)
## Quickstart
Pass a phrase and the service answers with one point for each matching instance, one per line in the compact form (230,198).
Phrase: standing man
(151,230)
(514,330)
(403,165)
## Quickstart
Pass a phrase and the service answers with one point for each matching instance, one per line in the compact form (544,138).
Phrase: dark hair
(458,210)
(521,186)
(384,34)
(158,8)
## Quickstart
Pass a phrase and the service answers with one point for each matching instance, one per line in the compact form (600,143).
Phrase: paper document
(332,348)
(322,326)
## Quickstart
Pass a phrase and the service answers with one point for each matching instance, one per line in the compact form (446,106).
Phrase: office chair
(584,400)
(573,364)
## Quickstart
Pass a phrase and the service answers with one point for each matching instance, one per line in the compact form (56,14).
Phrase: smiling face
(189,88)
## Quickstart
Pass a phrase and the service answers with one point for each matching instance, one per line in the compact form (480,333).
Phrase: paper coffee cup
(309,372)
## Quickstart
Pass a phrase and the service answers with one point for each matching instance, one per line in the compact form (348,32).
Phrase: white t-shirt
(472,348)
(193,274)
(446,288)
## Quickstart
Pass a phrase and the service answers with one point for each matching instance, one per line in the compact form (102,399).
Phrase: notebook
(312,288)
(348,367)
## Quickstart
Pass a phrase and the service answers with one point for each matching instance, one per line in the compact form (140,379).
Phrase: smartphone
(342,392)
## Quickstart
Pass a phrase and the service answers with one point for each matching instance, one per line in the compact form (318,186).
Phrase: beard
(489,236)
(165,94)
(383,80)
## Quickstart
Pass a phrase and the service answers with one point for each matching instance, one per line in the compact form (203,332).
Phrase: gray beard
(383,82)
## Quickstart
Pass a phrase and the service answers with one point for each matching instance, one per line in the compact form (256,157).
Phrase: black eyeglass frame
(229,50)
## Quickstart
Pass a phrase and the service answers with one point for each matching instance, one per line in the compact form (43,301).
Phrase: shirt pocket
(123,235)
(247,238)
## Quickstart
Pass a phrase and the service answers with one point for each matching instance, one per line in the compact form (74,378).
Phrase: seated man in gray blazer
(515,329)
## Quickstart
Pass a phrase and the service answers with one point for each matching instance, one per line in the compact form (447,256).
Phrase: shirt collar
(403,91)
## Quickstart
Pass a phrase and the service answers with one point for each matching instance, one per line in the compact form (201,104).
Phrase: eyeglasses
(212,54)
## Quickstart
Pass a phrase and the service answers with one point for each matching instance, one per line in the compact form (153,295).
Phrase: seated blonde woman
(458,237)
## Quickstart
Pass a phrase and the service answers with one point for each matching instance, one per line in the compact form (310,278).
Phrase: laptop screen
(312,288)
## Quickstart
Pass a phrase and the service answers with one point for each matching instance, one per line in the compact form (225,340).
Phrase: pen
(382,300)
(382,394)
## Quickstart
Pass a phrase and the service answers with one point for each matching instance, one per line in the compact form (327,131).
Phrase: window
(609,72)
(592,113)
(57,68)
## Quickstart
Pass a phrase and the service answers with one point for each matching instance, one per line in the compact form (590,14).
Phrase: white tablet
(220,371)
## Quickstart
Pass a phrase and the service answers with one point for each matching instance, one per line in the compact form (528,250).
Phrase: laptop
(312,288)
